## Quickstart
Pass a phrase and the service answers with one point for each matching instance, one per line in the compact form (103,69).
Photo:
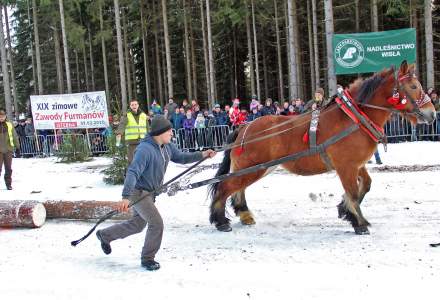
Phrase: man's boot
(105,246)
(150,265)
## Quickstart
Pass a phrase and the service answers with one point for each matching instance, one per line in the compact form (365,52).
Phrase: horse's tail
(223,169)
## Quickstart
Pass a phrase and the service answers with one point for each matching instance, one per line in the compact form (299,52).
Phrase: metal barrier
(397,130)
(202,138)
(97,143)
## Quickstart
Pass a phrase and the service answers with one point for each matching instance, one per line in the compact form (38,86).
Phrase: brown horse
(347,157)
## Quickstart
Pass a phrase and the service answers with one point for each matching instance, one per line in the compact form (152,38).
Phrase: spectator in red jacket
(234,112)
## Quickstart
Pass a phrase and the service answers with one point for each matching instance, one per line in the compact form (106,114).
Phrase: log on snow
(82,210)
(20,213)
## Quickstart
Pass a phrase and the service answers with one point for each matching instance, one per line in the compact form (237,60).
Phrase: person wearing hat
(144,176)
(8,141)
(317,102)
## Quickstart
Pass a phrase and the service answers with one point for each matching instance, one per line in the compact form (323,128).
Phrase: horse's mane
(363,89)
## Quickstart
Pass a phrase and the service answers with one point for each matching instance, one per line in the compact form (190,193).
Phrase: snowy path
(298,249)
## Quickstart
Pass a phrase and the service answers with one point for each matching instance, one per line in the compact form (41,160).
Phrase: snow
(298,249)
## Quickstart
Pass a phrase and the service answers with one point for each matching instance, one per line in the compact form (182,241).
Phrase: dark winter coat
(177,120)
(268,110)
(146,171)
(19,129)
(251,117)
(221,118)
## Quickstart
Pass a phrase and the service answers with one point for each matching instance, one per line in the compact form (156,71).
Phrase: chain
(183,183)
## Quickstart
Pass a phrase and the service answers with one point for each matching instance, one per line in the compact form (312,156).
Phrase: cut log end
(39,215)
(18,213)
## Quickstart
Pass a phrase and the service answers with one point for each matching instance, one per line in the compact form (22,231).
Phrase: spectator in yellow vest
(8,140)
(134,127)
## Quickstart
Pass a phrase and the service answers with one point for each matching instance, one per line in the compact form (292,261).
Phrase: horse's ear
(403,68)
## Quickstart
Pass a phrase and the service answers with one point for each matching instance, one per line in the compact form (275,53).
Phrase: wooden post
(19,213)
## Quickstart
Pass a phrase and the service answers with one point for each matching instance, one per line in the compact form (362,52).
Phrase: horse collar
(352,110)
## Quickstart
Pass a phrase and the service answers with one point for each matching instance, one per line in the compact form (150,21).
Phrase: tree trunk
(232,70)
(315,45)
(265,75)
(286,18)
(413,24)
(234,43)
(167,49)
(11,63)
(293,85)
(250,56)
(158,60)
(133,74)
(429,45)
(298,62)
(310,32)
(127,55)
(86,69)
(92,67)
(17,213)
(78,80)
(329,36)
(257,68)
(5,72)
(187,54)
(82,210)
(104,59)
(211,58)
(66,51)
(120,58)
(205,53)
(34,74)
(374,16)
(145,55)
(193,59)
(37,48)
(58,60)
(280,65)
(356,15)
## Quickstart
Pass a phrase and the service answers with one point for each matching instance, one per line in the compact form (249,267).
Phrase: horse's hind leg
(240,207)
(349,209)
(218,211)
(225,189)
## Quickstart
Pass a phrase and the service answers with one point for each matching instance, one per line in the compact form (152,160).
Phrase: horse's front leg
(364,181)
(355,189)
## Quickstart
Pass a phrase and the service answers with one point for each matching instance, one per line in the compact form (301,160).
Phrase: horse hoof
(361,230)
(224,227)
(246,218)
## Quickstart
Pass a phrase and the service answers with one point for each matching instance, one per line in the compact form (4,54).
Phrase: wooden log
(20,213)
(82,210)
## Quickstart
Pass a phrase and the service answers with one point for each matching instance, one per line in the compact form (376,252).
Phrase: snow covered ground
(298,249)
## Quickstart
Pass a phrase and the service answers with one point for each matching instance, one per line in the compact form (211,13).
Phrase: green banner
(373,51)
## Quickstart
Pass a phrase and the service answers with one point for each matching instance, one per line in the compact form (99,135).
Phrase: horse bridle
(398,102)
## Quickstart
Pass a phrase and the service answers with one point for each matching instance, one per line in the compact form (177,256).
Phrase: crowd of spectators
(189,119)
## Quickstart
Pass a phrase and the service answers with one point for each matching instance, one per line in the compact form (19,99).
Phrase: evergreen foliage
(72,148)
(115,174)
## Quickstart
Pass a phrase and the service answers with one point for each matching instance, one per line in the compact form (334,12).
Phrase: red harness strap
(355,119)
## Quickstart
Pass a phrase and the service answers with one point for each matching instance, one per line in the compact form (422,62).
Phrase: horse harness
(345,102)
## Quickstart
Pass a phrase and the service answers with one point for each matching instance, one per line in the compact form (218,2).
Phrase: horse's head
(409,97)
